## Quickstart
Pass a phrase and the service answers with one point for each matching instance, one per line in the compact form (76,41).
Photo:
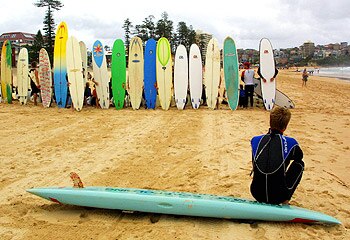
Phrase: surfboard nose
(34,191)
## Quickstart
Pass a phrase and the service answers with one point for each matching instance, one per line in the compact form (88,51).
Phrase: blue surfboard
(179,203)
(150,74)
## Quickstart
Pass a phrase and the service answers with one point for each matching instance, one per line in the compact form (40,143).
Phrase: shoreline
(331,76)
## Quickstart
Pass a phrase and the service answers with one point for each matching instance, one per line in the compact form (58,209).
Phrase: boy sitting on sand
(275,178)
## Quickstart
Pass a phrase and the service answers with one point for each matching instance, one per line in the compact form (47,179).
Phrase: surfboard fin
(77,183)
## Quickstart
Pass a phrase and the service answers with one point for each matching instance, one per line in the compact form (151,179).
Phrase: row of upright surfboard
(149,70)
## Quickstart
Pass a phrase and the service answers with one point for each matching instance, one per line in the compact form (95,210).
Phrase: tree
(49,23)
(185,35)
(165,29)
(149,27)
(146,30)
(127,26)
(191,36)
(33,51)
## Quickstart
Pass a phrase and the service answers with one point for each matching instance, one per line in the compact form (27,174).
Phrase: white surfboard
(181,76)
(75,73)
(135,72)
(22,76)
(195,76)
(267,70)
(83,52)
(101,75)
(212,73)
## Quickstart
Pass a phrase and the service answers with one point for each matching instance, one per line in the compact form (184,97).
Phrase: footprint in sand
(260,233)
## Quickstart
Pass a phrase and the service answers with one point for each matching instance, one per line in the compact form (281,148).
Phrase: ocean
(338,72)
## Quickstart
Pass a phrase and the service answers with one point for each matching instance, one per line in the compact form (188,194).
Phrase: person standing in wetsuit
(263,79)
(275,176)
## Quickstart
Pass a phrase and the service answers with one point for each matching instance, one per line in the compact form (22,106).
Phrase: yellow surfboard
(6,71)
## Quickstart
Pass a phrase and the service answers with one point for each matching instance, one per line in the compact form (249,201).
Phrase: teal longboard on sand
(118,70)
(178,203)
(231,72)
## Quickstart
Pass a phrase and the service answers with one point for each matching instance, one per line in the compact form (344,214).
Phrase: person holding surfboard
(277,161)
(271,79)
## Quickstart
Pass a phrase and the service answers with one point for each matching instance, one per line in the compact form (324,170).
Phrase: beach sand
(201,151)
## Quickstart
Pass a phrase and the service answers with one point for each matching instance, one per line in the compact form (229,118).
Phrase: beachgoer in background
(243,103)
(87,94)
(204,95)
(94,100)
(305,75)
(271,79)
(89,76)
(34,81)
(274,178)
(69,102)
(83,72)
(248,78)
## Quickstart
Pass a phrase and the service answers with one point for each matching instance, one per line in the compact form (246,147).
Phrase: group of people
(90,95)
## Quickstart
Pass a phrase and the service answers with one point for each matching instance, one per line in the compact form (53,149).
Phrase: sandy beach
(201,151)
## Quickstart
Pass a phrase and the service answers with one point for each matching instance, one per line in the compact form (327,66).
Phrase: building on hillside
(319,54)
(18,40)
(308,49)
(345,51)
(343,45)
(202,40)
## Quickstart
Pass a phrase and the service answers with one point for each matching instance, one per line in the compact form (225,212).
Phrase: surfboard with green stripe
(6,71)
(164,72)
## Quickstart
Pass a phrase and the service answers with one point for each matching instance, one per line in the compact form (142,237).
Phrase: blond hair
(279,118)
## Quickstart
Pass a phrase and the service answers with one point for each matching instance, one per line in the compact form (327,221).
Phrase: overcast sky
(287,23)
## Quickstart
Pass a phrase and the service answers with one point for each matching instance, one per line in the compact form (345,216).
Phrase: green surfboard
(118,70)
(6,71)
(231,72)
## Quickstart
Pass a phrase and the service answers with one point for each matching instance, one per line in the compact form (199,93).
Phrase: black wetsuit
(33,85)
(273,182)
